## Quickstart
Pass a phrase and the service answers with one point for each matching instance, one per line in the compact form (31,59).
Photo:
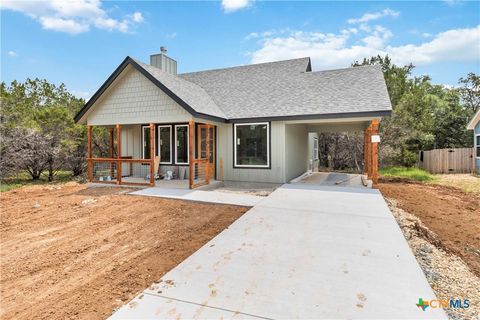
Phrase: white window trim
(315,154)
(235,125)
(476,145)
(176,144)
(143,142)
(160,140)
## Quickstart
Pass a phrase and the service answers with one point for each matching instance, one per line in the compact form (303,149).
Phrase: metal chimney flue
(163,62)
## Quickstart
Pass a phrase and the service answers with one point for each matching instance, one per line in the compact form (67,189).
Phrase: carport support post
(119,152)
(374,152)
(191,129)
(89,152)
(152,154)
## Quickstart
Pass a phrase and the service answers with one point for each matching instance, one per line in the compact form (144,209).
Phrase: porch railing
(123,170)
(200,172)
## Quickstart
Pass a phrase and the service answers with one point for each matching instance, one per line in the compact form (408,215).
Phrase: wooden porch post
(365,151)
(207,144)
(111,152)
(374,152)
(368,151)
(89,154)
(119,152)
(191,129)
(152,154)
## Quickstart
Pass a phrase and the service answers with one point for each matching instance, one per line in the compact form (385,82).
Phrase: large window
(181,143)
(165,144)
(146,142)
(477,145)
(252,145)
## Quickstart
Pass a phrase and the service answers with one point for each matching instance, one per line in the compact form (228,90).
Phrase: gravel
(447,274)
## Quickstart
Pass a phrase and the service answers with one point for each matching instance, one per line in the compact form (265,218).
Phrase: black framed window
(165,144)
(477,145)
(146,142)
(252,145)
(181,143)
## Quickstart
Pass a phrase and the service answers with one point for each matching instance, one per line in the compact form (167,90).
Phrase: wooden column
(111,152)
(374,131)
(191,130)
(89,154)
(119,153)
(207,145)
(152,154)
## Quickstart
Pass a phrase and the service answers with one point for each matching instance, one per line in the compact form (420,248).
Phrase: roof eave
(476,118)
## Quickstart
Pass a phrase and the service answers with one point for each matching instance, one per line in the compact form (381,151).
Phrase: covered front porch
(169,155)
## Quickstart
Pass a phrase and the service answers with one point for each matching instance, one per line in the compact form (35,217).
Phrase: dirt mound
(453,215)
(71,252)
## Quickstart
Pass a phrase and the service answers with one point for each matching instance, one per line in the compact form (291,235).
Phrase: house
(256,123)
(474,125)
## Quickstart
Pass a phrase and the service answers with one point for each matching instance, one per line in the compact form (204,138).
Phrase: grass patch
(23,179)
(407,173)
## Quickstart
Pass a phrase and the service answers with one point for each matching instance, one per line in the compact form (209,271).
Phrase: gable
(474,122)
(132,98)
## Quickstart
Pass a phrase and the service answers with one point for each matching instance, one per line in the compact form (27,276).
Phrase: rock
(88,201)
(36,205)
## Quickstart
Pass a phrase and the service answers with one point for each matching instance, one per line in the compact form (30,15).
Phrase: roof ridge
(243,66)
(347,68)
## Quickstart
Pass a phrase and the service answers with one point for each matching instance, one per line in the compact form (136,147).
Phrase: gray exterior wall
(296,150)
(276,174)
(131,139)
(133,99)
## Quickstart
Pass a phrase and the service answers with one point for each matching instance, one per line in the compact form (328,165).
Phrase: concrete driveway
(304,252)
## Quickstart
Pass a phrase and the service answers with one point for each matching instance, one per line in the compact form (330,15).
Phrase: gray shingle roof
(195,96)
(283,88)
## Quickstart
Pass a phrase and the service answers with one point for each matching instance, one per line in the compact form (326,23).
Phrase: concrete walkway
(201,195)
(303,252)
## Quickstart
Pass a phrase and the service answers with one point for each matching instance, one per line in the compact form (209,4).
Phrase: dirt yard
(67,252)
(452,214)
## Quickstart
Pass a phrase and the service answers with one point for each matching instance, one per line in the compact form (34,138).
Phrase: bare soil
(452,214)
(67,252)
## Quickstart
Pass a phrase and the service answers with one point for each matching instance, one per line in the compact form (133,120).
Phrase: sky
(81,42)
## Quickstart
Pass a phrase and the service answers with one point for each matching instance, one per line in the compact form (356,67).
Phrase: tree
(41,112)
(470,92)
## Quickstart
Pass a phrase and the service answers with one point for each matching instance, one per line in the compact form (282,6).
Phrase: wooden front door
(202,146)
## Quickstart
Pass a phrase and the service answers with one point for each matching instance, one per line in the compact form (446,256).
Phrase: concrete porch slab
(201,195)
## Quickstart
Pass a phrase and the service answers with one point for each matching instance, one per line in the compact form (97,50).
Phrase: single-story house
(254,123)
(474,125)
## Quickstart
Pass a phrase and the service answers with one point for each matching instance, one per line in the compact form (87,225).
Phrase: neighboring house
(474,125)
(256,123)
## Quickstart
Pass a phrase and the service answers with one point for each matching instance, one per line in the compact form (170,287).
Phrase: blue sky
(81,42)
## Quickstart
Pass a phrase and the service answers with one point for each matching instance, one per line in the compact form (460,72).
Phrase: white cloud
(374,16)
(341,49)
(12,53)
(72,17)
(171,35)
(234,5)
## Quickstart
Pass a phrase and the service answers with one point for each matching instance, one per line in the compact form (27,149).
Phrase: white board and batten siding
(133,99)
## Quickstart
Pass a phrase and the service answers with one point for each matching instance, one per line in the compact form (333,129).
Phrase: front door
(202,146)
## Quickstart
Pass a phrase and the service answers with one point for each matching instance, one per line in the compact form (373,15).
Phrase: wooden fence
(459,160)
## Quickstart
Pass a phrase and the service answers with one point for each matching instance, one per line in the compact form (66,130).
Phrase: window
(477,145)
(181,142)
(146,142)
(165,144)
(315,149)
(252,145)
